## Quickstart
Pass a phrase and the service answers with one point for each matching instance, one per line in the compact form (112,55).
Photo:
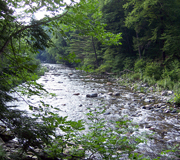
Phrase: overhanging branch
(26,27)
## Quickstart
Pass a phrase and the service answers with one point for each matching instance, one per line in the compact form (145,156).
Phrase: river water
(71,87)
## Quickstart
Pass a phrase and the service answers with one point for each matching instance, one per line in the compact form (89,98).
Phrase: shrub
(149,80)
(176,87)
(166,83)
(153,70)
(177,99)
(136,76)
(128,63)
(172,70)
(139,65)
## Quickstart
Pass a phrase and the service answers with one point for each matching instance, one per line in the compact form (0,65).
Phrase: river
(71,87)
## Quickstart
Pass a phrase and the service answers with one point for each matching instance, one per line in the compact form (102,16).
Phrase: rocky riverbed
(78,91)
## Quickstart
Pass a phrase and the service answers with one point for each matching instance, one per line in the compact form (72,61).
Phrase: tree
(85,50)
(88,27)
(114,55)
(154,22)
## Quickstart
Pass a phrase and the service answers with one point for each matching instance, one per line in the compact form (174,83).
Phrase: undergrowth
(152,73)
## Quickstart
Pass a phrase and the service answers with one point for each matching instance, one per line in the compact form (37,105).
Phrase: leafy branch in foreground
(103,140)
(109,139)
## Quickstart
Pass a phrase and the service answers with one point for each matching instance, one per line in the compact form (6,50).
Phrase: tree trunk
(139,50)
(95,51)
(127,39)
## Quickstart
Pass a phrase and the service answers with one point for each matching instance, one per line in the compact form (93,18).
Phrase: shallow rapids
(72,86)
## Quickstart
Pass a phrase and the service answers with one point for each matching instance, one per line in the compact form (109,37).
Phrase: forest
(137,37)
(148,45)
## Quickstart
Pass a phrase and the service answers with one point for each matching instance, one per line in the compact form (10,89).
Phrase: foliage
(63,141)
(128,63)
(37,37)
(2,153)
(41,71)
(166,83)
(153,70)
(139,65)
(177,99)
(20,42)
(114,56)
(172,70)
(136,76)
(90,32)
(103,139)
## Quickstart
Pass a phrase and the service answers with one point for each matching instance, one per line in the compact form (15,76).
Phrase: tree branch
(26,27)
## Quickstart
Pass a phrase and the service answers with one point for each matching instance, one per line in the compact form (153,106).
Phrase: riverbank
(153,97)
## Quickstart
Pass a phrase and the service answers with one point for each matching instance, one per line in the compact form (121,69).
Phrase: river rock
(92,95)
(76,94)
(150,97)
(70,74)
(145,85)
(107,113)
(163,107)
(147,107)
(116,94)
(88,76)
(156,106)
(149,100)
(151,89)
(164,93)
(167,111)
(152,129)
(141,94)
(159,105)
(174,111)
(169,93)
(132,88)
(110,93)
(109,83)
